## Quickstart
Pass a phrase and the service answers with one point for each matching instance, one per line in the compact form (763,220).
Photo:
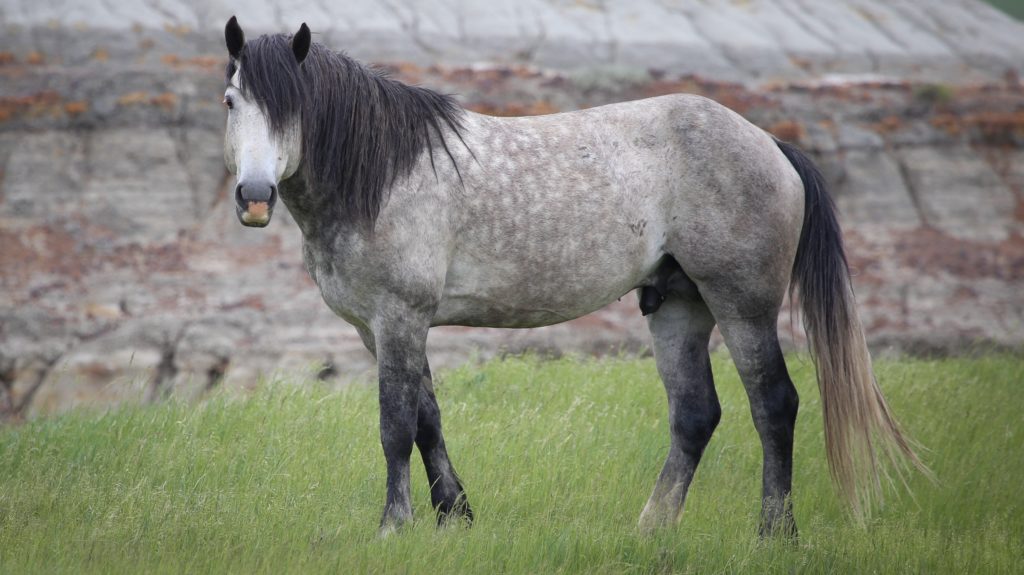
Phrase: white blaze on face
(251,151)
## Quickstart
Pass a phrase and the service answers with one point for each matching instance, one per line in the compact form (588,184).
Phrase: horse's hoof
(392,524)
(784,530)
(388,529)
(651,523)
(661,513)
(458,515)
(449,521)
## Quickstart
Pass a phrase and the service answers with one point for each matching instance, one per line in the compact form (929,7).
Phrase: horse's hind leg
(446,493)
(754,346)
(681,328)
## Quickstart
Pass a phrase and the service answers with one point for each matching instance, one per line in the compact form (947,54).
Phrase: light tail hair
(863,441)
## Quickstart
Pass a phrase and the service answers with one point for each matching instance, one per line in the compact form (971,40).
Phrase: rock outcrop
(125,273)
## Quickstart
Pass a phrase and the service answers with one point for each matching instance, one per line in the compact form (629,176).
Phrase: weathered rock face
(125,272)
(750,39)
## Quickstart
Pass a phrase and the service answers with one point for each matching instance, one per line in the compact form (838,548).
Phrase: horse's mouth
(255,214)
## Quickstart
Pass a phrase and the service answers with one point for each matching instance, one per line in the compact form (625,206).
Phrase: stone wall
(126,274)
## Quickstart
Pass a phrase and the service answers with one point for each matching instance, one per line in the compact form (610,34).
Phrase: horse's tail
(857,419)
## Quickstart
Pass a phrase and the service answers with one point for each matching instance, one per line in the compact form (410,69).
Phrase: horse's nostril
(255,191)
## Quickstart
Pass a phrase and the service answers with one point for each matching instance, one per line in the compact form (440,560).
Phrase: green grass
(558,458)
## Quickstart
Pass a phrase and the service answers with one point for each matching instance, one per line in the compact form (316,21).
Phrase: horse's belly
(490,309)
(542,287)
(498,308)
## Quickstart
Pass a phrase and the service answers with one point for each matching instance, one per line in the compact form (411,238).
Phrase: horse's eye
(229,102)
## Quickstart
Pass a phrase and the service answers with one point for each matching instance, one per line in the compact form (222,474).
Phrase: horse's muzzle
(254,203)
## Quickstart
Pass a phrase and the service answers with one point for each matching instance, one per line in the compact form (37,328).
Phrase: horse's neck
(309,209)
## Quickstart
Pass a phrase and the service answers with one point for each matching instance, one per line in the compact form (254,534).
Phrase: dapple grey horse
(415,212)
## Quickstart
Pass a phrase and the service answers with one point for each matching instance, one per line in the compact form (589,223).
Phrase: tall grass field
(558,458)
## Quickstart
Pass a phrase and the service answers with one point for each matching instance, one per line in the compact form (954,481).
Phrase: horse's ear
(300,43)
(234,37)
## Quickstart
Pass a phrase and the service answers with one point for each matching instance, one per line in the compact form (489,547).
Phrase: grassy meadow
(558,458)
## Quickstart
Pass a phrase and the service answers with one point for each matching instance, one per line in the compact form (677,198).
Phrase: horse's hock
(122,260)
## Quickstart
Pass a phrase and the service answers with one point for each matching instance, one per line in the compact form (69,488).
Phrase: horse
(416,212)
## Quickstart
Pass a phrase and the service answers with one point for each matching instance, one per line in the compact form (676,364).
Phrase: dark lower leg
(694,414)
(775,422)
(400,363)
(397,439)
(681,329)
(773,404)
(446,492)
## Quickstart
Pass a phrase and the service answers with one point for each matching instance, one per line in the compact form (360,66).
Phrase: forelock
(270,76)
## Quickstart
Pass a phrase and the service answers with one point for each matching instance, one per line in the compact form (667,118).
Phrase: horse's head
(262,142)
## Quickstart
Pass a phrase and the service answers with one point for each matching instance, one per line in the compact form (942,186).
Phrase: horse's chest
(340,288)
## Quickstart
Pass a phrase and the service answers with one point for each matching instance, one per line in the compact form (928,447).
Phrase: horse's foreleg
(401,356)
(446,493)
(681,329)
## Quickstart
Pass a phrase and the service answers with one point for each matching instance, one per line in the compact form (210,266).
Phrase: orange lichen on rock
(947,122)
(888,124)
(76,108)
(207,62)
(996,128)
(34,105)
(788,130)
(181,30)
(1000,128)
(133,98)
(167,100)
(201,62)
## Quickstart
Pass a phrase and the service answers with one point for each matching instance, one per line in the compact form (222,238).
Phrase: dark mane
(361,130)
